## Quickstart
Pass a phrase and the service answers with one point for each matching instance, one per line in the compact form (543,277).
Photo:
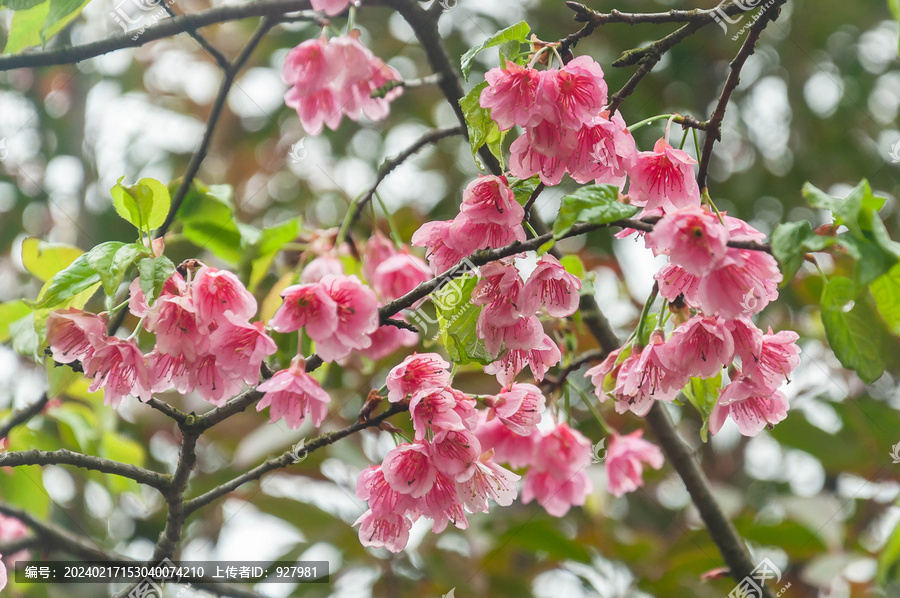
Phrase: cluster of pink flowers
(330,78)
(204,341)
(444,473)
(625,458)
(566,126)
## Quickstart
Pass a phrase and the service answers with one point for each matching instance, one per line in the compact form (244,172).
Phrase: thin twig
(67,457)
(216,55)
(552,384)
(22,416)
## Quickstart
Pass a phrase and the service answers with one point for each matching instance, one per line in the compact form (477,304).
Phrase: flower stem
(593,409)
(639,333)
(647,121)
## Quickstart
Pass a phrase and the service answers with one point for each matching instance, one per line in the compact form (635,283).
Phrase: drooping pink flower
(749,411)
(241,347)
(604,151)
(488,481)
(372,487)
(692,238)
(137,301)
(513,361)
(357,73)
(466,407)
(645,377)
(434,410)
(316,109)
(454,453)
(434,236)
(519,407)
(526,160)
(442,505)
(582,91)
(525,334)
(306,65)
(562,450)
(307,305)
(552,287)
(467,236)
(603,375)
(214,382)
(171,371)
(674,282)
(385,530)
(316,269)
(625,458)
(357,317)
(489,199)
(216,291)
(293,394)
(664,178)
(499,290)
(702,346)
(779,356)
(173,319)
(72,334)
(378,249)
(743,284)
(508,447)
(511,94)
(409,470)
(330,7)
(388,339)
(747,341)
(398,275)
(117,366)
(556,495)
(418,373)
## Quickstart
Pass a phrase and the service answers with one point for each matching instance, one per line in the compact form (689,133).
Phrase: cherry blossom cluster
(204,341)
(451,467)
(330,78)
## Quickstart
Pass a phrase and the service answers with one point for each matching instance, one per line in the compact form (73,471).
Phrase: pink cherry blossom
(604,151)
(316,109)
(701,346)
(742,285)
(779,356)
(513,361)
(378,249)
(170,371)
(692,238)
(751,413)
(435,411)
(582,91)
(316,269)
(489,199)
(526,160)
(293,394)
(664,178)
(409,470)
(454,452)
(625,459)
(137,302)
(562,450)
(3,576)
(385,530)
(372,487)
(330,7)
(442,505)
(214,382)
(553,287)
(398,275)
(466,408)
(72,334)
(173,319)
(467,236)
(216,291)
(674,282)
(603,375)
(241,347)
(117,366)
(307,305)
(307,65)
(747,341)
(645,377)
(508,447)
(417,373)
(511,94)
(488,481)
(434,236)
(526,334)
(556,495)
(388,339)
(499,291)
(519,407)
(357,317)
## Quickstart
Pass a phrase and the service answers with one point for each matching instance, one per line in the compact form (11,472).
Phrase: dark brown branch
(67,457)
(288,458)
(22,416)
(552,384)
(230,73)
(390,164)
(714,129)
(531,199)
(198,37)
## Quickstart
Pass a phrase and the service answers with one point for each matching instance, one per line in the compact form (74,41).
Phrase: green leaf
(20,4)
(267,246)
(850,330)
(154,272)
(78,276)
(594,204)
(855,211)
(524,188)
(791,241)
(24,30)
(9,313)
(515,33)
(889,560)
(112,263)
(482,129)
(25,339)
(144,204)
(208,222)
(886,290)
(703,394)
(61,12)
(23,487)
(573,265)
(457,317)
(45,260)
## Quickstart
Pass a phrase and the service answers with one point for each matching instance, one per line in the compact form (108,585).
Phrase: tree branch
(216,55)
(288,458)
(17,418)
(67,457)
(714,128)
(552,384)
